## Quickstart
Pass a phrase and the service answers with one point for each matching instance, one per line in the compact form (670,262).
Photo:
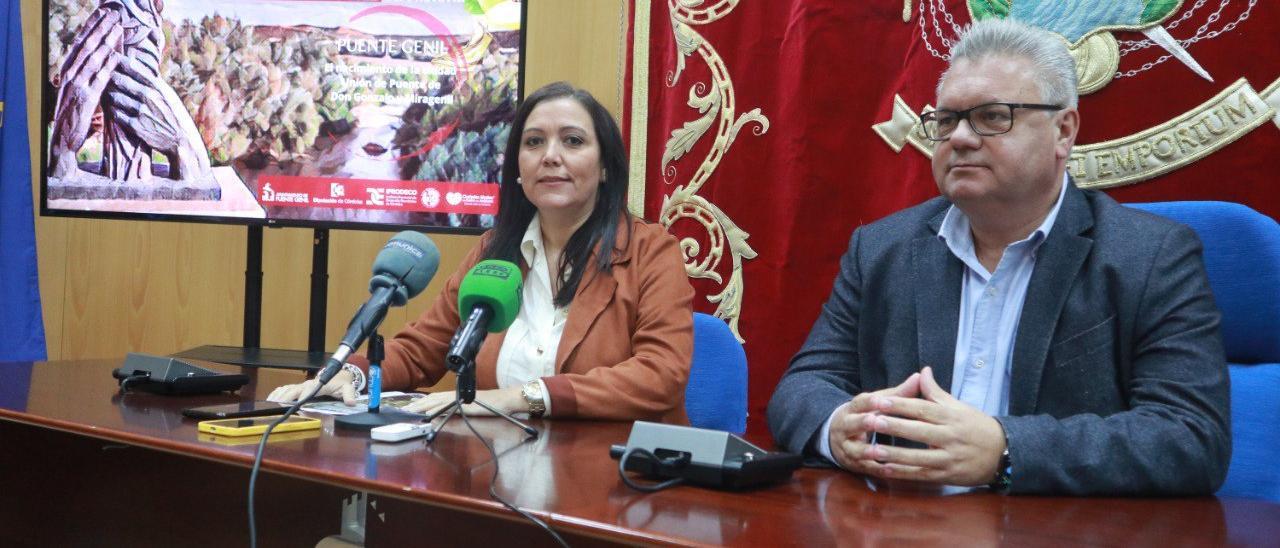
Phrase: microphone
(401,271)
(489,298)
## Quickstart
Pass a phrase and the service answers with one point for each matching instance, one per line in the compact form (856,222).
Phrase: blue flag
(21,323)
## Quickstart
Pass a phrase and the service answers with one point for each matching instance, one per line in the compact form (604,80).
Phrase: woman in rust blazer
(608,291)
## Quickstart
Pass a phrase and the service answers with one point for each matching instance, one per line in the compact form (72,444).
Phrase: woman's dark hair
(600,230)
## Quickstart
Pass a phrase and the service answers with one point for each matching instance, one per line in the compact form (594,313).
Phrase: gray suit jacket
(1119,383)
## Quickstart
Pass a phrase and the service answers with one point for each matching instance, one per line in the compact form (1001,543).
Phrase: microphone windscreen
(497,284)
(407,262)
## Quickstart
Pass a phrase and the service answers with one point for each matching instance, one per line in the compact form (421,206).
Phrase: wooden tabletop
(566,477)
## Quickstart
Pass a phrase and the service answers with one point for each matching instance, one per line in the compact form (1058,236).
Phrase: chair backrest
(717,393)
(1242,259)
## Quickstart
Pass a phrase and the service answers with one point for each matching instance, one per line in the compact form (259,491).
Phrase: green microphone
(489,299)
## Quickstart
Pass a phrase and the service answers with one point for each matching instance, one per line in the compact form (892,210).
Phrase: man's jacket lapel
(937,282)
(1058,261)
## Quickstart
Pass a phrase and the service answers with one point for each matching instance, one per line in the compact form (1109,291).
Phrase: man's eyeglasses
(986,119)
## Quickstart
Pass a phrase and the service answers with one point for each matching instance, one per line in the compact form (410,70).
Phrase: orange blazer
(626,348)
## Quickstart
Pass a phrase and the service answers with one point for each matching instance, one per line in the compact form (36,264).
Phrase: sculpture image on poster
(114,69)
(394,112)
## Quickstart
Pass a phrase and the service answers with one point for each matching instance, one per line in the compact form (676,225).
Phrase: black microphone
(402,269)
(488,300)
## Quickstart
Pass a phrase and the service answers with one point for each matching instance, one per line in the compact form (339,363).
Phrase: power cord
(257,462)
(676,461)
(125,382)
(493,492)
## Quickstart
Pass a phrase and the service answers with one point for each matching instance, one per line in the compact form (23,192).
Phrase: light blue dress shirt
(990,307)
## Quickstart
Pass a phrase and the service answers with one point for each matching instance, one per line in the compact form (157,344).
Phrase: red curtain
(822,73)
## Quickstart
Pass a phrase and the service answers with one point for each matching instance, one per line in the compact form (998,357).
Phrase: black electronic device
(171,376)
(257,357)
(236,410)
(710,458)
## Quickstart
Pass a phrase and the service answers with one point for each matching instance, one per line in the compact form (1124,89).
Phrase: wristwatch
(358,378)
(1004,474)
(532,392)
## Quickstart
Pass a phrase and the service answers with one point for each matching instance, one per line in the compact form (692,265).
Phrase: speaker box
(171,376)
(705,457)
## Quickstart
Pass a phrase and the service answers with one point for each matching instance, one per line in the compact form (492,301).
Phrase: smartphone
(236,410)
(230,441)
(256,425)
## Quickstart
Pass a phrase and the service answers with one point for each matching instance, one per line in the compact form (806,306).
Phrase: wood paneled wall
(110,287)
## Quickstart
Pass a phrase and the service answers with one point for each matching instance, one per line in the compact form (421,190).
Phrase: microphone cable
(257,461)
(493,481)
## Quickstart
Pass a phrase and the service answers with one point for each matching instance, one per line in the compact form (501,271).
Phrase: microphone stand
(375,416)
(466,392)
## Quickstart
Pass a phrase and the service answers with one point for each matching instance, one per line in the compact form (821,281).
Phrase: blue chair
(717,393)
(1242,258)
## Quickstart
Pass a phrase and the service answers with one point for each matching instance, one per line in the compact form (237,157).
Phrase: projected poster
(311,112)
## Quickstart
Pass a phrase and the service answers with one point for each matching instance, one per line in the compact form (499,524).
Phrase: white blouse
(529,350)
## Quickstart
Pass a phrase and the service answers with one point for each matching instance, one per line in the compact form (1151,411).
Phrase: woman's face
(560,159)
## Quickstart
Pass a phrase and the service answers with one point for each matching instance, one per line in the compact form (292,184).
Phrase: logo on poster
(268,193)
(430,197)
(375,196)
(337,190)
(454,198)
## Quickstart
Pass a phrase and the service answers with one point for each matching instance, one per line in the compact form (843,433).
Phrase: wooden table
(82,465)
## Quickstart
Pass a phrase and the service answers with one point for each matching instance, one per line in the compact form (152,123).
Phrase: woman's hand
(506,400)
(341,386)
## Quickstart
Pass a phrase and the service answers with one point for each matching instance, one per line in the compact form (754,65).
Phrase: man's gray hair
(1055,69)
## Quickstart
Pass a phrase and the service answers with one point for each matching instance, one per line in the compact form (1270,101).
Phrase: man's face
(1021,168)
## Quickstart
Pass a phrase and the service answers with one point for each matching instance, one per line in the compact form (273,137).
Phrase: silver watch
(532,392)
(358,378)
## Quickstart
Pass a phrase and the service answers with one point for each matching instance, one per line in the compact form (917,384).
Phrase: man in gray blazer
(1016,332)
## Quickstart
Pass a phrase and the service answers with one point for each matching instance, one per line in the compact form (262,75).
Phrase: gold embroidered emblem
(1203,130)
(1182,140)
(904,128)
(716,105)
(1087,28)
